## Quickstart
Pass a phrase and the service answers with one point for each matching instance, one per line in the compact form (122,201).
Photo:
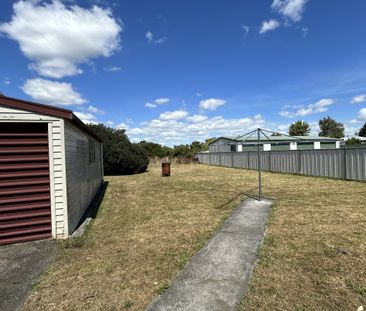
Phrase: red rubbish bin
(165,169)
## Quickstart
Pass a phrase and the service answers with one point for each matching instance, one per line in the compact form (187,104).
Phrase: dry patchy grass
(313,256)
(314,253)
(146,229)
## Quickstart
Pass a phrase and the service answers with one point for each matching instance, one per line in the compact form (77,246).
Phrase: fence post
(270,160)
(219,159)
(232,159)
(345,163)
(210,154)
(248,161)
(299,162)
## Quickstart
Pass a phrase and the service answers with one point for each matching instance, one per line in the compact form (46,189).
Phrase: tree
(197,146)
(155,150)
(120,156)
(362,131)
(182,151)
(331,128)
(299,128)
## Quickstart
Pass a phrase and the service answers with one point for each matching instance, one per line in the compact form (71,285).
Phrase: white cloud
(86,117)
(94,109)
(58,38)
(51,92)
(149,36)
(304,31)
(314,128)
(183,131)
(270,25)
(198,94)
(173,115)
(285,113)
(197,118)
(362,115)
(246,30)
(112,68)
(150,105)
(109,123)
(292,106)
(290,9)
(283,128)
(160,40)
(350,130)
(157,102)
(320,106)
(122,126)
(161,101)
(151,39)
(6,81)
(359,99)
(354,121)
(212,103)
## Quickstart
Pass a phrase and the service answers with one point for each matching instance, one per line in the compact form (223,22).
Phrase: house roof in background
(47,110)
(281,138)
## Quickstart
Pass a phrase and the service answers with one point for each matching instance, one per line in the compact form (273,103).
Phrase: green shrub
(120,156)
(353,141)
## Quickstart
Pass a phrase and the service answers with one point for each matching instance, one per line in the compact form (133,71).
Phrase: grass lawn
(313,257)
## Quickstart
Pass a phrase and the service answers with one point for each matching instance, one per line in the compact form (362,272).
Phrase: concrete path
(20,267)
(217,277)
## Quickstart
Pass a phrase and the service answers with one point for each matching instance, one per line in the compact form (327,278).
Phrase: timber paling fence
(333,163)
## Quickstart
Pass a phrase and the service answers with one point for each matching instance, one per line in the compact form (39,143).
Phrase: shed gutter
(45,110)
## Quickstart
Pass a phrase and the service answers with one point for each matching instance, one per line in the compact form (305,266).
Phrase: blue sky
(177,71)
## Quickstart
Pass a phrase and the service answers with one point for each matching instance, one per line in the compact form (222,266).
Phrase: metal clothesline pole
(260,131)
(259,167)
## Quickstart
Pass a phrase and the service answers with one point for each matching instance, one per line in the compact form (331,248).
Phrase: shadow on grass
(77,239)
(93,208)
(237,196)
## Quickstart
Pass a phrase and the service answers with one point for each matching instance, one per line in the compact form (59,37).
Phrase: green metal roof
(278,138)
(287,138)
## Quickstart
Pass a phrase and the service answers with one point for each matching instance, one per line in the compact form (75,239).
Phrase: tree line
(178,151)
(121,157)
(124,157)
(328,128)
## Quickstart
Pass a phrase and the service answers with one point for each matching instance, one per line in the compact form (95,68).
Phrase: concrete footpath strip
(217,277)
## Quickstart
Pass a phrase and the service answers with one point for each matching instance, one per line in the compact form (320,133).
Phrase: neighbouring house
(51,167)
(283,142)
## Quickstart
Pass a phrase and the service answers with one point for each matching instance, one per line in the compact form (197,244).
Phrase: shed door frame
(52,180)
(58,183)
